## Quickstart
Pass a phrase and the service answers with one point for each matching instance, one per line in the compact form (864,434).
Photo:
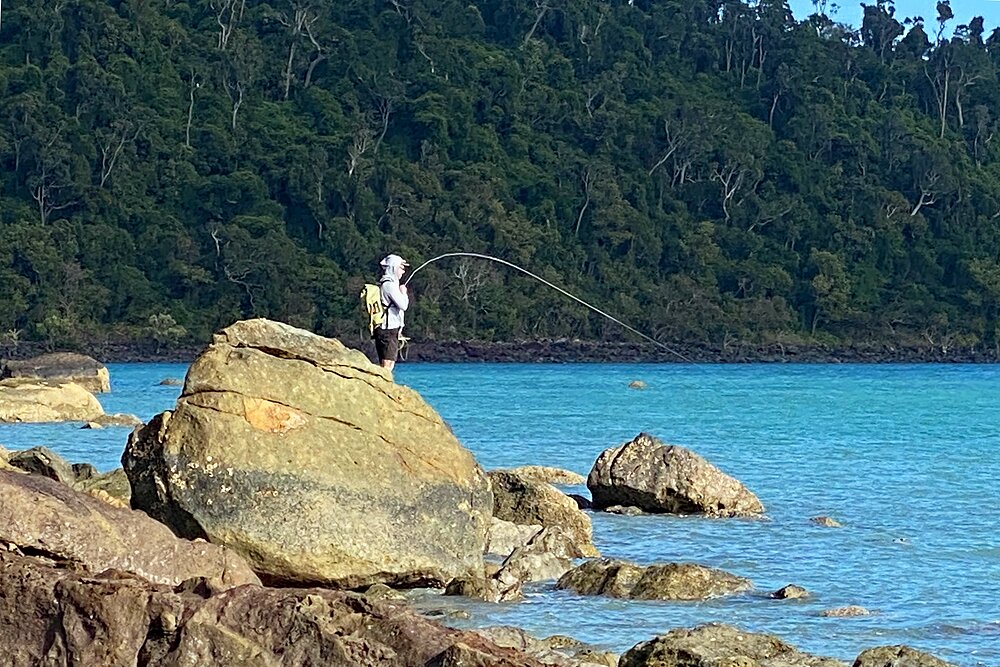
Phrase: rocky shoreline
(580,351)
(277,515)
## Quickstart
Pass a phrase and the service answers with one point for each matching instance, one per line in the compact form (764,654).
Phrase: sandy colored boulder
(656,477)
(4,455)
(718,645)
(35,401)
(547,555)
(308,459)
(527,502)
(42,516)
(119,419)
(505,536)
(898,656)
(61,367)
(548,475)
(670,581)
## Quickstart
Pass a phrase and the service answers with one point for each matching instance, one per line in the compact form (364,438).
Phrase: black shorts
(387,343)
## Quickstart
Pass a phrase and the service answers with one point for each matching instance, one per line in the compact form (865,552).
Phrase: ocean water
(905,456)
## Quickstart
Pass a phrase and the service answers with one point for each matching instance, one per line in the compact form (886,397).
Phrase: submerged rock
(655,477)
(718,645)
(61,367)
(42,516)
(846,612)
(38,401)
(790,592)
(671,581)
(826,522)
(308,459)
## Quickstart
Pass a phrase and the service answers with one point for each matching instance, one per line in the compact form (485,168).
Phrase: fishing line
(553,286)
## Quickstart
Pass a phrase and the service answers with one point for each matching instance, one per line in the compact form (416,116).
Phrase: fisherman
(396,300)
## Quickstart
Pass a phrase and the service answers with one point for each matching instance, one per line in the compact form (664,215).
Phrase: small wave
(976,628)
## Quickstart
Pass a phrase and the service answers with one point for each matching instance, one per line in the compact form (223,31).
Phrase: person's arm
(397,294)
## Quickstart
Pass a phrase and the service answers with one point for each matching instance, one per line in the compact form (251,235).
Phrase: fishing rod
(553,286)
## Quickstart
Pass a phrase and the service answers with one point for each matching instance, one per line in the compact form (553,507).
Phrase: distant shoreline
(572,351)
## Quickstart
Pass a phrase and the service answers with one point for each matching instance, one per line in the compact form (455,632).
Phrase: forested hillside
(706,170)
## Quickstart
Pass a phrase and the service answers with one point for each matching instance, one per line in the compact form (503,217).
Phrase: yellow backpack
(374,309)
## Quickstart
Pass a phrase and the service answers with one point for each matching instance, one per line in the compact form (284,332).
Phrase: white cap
(393,261)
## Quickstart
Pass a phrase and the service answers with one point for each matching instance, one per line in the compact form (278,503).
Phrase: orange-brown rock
(308,459)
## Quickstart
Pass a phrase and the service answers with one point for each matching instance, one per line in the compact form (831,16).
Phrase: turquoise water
(903,455)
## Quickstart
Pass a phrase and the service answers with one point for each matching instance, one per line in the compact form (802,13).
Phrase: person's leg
(387,345)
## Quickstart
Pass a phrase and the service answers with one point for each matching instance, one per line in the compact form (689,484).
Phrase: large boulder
(61,367)
(33,401)
(656,477)
(527,502)
(51,616)
(305,457)
(41,516)
(898,656)
(669,581)
(715,645)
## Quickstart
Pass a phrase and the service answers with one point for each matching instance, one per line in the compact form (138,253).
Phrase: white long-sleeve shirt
(396,301)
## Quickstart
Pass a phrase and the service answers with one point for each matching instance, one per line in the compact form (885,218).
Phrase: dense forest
(706,170)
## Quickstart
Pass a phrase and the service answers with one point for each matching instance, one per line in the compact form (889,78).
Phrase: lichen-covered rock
(37,401)
(898,656)
(42,516)
(61,367)
(656,477)
(670,581)
(527,502)
(715,645)
(308,459)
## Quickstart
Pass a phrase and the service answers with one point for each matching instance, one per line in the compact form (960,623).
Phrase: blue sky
(850,11)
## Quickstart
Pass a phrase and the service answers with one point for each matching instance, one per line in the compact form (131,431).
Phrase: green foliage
(707,171)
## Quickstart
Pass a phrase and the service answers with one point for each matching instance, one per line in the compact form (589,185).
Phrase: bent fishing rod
(553,286)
